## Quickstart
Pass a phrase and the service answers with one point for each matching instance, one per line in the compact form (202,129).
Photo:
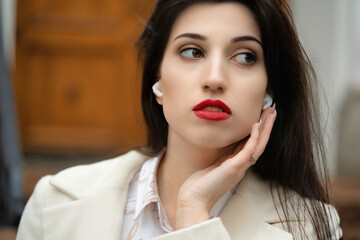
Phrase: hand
(201,190)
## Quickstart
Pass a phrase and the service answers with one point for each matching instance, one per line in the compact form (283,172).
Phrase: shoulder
(80,181)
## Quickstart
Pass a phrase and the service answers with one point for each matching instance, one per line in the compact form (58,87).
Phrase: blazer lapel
(95,212)
(246,225)
(95,217)
(245,220)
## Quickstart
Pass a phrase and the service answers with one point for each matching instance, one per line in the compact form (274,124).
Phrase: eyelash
(191,48)
(248,53)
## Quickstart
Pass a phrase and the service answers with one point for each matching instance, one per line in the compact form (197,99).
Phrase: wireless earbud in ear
(157,90)
(267,102)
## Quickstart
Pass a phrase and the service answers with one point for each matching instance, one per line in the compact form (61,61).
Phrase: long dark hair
(295,156)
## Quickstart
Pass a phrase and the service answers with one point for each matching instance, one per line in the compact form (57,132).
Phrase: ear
(159,100)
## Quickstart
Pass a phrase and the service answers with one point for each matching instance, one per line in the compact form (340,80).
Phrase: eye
(192,53)
(246,58)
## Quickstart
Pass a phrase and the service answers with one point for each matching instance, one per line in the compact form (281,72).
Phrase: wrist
(188,216)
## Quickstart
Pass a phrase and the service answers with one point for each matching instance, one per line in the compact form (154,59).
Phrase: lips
(214,110)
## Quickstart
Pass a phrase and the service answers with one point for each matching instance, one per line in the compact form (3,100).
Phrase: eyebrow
(203,38)
(191,35)
(246,38)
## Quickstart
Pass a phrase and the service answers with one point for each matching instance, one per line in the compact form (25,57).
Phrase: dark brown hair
(294,158)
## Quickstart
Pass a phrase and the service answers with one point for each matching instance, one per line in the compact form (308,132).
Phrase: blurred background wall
(330,33)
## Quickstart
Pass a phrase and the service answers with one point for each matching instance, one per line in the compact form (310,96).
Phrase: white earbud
(267,102)
(157,90)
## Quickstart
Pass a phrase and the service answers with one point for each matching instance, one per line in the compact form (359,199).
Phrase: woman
(214,68)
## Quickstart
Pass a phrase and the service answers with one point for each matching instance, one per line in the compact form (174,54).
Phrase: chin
(216,142)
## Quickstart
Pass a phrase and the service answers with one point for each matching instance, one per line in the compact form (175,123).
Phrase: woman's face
(213,75)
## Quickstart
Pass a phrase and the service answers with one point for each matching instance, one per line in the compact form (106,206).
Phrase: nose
(215,75)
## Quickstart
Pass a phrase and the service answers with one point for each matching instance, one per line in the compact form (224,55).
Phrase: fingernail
(260,124)
(273,108)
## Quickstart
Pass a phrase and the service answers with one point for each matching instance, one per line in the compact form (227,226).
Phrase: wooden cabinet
(76,80)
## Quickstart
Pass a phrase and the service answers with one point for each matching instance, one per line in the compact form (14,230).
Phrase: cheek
(172,85)
(251,89)
(258,88)
(177,83)
(250,94)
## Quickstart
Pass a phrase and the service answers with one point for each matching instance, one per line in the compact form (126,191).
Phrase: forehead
(222,19)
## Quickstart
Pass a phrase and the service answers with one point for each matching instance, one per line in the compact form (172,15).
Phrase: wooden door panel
(76,82)
(81,87)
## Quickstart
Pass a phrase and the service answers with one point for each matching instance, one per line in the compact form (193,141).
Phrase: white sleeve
(212,229)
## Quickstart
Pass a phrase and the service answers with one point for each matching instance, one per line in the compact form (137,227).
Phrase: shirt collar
(147,191)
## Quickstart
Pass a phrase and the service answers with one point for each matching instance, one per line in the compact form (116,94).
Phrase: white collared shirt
(144,215)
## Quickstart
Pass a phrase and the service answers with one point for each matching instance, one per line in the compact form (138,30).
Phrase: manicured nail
(260,124)
(273,108)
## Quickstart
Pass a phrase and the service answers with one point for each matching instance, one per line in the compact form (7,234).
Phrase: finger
(240,146)
(258,139)
(266,113)
(242,159)
(265,132)
(232,153)
(242,143)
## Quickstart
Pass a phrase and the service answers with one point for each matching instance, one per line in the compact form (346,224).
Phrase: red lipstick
(214,110)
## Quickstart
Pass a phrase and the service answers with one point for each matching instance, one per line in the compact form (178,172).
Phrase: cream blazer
(87,203)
